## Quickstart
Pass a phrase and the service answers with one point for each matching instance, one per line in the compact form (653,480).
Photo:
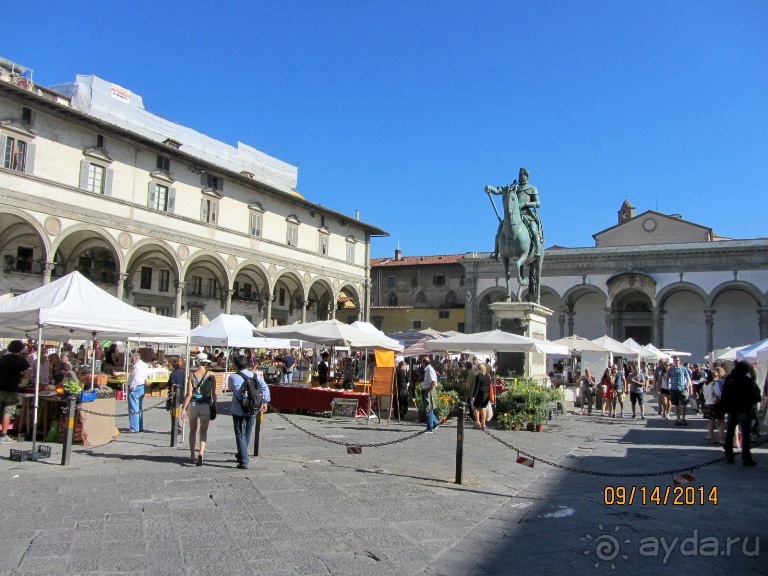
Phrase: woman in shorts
(665,404)
(201,394)
(606,391)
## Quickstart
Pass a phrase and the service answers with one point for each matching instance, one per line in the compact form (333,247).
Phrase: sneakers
(633,416)
(6,440)
(429,432)
(621,414)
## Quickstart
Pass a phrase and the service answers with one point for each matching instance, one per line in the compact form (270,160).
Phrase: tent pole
(93,360)
(37,387)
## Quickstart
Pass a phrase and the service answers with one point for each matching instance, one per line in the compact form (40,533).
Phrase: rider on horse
(528,198)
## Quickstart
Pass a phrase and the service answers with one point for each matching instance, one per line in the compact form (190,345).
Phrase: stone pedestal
(524,319)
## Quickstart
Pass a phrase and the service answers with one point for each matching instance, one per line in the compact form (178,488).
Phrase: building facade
(653,277)
(167,219)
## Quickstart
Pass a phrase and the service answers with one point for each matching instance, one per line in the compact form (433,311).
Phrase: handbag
(213,411)
(489,412)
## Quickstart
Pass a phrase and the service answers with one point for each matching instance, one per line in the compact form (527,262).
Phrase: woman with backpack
(199,405)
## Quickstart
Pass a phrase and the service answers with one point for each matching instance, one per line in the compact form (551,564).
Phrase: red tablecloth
(317,399)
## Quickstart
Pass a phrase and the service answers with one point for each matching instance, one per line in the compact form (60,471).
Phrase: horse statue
(517,244)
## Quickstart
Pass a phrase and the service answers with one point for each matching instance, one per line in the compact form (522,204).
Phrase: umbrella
(418,348)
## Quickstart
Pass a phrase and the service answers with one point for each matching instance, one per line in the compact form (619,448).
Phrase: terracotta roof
(417,260)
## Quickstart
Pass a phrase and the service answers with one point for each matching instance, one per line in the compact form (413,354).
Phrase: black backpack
(251,397)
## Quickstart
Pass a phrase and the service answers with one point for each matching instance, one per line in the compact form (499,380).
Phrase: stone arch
(392,299)
(289,295)
(667,291)
(348,304)
(582,311)
(485,298)
(632,315)
(205,280)
(735,314)
(451,299)
(250,286)
(78,239)
(321,297)
(740,285)
(12,220)
(213,262)
(144,249)
(635,280)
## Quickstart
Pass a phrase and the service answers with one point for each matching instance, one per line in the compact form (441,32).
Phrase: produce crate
(88,395)
(21,455)
(43,452)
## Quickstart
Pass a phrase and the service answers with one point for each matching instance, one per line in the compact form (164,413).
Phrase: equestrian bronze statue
(520,237)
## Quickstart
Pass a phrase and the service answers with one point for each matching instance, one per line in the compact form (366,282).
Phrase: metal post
(257,432)
(460,443)
(68,437)
(175,414)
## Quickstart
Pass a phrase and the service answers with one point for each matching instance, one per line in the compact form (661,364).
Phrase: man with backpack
(250,396)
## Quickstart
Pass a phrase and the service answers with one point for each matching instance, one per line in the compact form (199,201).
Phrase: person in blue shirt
(244,424)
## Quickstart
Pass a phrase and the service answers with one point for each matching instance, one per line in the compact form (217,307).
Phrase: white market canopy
(371,329)
(656,352)
(496,340)
(331,333)
(749,353)
(729,355)
(641,351)
(233,331)
(74,307)
(579,344)
(616,347)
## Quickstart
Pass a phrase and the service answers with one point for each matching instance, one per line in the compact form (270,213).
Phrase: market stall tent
(332,333)
(74,307)
(616,347)
(371,329)
(496,340)
(749,353)
(234,331)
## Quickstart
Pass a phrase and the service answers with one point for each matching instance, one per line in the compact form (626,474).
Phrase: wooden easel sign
(343,408)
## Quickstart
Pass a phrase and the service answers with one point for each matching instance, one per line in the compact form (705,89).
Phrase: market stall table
(313,399)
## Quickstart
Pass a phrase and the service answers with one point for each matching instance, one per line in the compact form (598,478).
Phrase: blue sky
(405,110)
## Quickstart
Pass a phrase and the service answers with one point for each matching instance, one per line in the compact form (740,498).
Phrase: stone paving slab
(305,507)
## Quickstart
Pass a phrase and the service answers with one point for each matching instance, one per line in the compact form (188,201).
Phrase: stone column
(763,322)
(709,323)
(561,321)
(304,306)
(658,327)
(571,315)
(608,322)
(120,285)
(228,301)
(365,313)
(268,316)
(47,269)
(179,298)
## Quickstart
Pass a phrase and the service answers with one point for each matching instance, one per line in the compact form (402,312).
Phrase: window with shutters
(163,163)
(324,240)
(212,182)
(161,196)
(208,209)
(391,281)
(195,317)
(255,219)
(351,249)
(213,288)
(95,174)
(17,146)
(146,278)
(293,235)
(197,286)
(16,154)
(443,314)
(417,324)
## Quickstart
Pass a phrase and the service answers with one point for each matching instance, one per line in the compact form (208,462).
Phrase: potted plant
(539,416)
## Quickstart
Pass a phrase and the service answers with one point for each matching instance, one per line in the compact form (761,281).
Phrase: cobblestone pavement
(306,507)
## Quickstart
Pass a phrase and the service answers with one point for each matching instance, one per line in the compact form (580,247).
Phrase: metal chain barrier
(606,474)
(130,412)
(347,444)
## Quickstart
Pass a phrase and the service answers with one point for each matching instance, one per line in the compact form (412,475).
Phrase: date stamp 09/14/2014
(660,495)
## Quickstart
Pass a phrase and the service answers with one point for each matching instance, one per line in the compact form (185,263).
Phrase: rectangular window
(99,141)
(24,259)
(146,278)
(417,324)
(26,115)
(95,179)
(281,300)
(247,291)
(163,163)
(163,311)
(214,182)
(195,317)
(391,281)
(377,324)
(438,280)
(255,224)
(323,249)
(414,281)
(461,327)
(293,235)
(350,252)
(161,198)
(164,281)
(461,280)
(213,288)
(197,285)
(15,156)
(443,314)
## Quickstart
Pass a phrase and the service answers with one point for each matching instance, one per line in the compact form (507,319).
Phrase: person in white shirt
(137,380)
(429,395)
